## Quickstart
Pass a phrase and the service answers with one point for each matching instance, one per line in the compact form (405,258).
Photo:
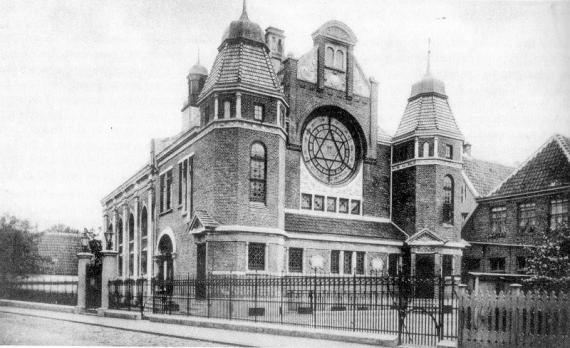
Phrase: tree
(549,263)
(19,254)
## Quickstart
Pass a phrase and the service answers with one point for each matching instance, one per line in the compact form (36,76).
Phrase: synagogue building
(281,166)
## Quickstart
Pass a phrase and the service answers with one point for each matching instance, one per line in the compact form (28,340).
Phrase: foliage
(549,263)
(19,254)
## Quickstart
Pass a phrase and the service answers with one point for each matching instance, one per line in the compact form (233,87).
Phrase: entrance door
(93,298)
(201,271)
(425,276)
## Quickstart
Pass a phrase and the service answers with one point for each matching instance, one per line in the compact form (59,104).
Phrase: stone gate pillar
(83,260)
(109,272)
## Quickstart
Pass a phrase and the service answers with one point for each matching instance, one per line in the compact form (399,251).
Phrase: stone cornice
(427,161)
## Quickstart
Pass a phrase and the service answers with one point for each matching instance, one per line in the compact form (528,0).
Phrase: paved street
(18,329)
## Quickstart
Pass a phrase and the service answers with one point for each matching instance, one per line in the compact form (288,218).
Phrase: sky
(85,85)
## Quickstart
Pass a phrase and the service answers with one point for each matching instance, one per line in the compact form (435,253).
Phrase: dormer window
(448,151)
(258,112)
(227,109)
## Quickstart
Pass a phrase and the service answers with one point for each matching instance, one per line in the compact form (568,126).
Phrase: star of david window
(329,150)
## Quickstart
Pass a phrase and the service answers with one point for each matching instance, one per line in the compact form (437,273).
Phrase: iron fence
(128,294)
(46,291)
(419,310)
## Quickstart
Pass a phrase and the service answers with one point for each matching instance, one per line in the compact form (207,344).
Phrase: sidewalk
(221,336)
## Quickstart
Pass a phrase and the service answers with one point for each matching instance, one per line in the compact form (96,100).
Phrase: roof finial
(244,11)
(428,57)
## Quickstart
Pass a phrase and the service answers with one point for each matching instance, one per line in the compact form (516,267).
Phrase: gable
(549,168)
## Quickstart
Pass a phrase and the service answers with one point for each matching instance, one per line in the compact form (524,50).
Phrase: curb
(348,337)
(111,313)
(39,306)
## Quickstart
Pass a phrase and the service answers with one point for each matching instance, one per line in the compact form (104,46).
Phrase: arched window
(448,205)
(144,240)
(339,60)
(120,245)
(257,173)
(227,109)
(131,229)
(425,149)
(329,57)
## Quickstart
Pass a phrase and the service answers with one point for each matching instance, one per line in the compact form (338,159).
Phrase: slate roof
(548,168)
(484,175)
(354,228)
(61,250)
(428,111)
(383,136)
(205,219)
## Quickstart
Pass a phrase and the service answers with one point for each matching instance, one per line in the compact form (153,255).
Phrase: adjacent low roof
(547,168)
(484,175)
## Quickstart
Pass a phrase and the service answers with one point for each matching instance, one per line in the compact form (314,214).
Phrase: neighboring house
(280,166)
(533,198)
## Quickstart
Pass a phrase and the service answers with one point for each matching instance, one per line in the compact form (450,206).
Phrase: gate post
(83,260)
(109,272)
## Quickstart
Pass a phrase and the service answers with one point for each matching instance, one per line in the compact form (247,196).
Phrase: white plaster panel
(335,79)
(361,84)
(352,189)
(307,66)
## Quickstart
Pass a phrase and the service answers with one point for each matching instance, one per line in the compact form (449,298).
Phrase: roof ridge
(522,165)
(561,140)
(487,161)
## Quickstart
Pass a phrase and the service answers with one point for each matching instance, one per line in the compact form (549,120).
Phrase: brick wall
(376,184)
(404,199)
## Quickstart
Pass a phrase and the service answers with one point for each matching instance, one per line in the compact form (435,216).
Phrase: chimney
(275,40)
(467,149)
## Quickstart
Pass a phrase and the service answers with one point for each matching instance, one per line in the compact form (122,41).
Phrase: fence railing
(418,310)
(46,291)
(534,319)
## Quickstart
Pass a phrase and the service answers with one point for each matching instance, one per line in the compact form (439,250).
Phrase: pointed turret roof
(428,111)
(243,62)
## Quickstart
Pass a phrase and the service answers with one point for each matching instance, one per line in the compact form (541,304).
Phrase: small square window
(448,151)
(319,203)
(256,257)
(306,201)
(331,204)
(296,260)
(497,263)
(258,112)
(355,207)
(343,205)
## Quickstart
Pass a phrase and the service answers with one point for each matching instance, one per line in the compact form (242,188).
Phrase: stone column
(109,272)
(436,147)
(216,107)
(149,241)
(115,237)
(278,113)
(515,289)
(83,260)
(238,105)
(416,148)
(104,229)
(136,268)
(413,264)
(438,271)
(125,265)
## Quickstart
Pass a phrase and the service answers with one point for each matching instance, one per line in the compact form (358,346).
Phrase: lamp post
(109,239)
(83,259)
(85,241)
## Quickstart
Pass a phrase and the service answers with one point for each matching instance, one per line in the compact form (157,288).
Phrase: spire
(244,16)
(198,60)
(428,72)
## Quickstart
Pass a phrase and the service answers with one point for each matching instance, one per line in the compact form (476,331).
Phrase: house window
(258,112)
(331,204)
(120,245)
(527,217)
(558,213)
(227,109)
(131,228)
(162,190)
(343,205)
(306,201)
(257,174)
(447,265)
(355,207)
(189,186)
(184,183)
(471,264)
(319,203)
(144,240)
(521,264)
(497,264)
(339,60)
(256,257)
(347,269)
(360,262)
(448,151)
(498,222)
(448,200)
(165,190)
(295,260)
(206,114)
(335,261)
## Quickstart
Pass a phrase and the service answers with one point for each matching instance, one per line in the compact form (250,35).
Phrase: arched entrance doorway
(165,260)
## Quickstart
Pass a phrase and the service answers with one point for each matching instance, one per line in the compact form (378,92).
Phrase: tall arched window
(339,60)
(144,240)
(448,205)
(120,245)
(257,173)
(329,57)
(131,229)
